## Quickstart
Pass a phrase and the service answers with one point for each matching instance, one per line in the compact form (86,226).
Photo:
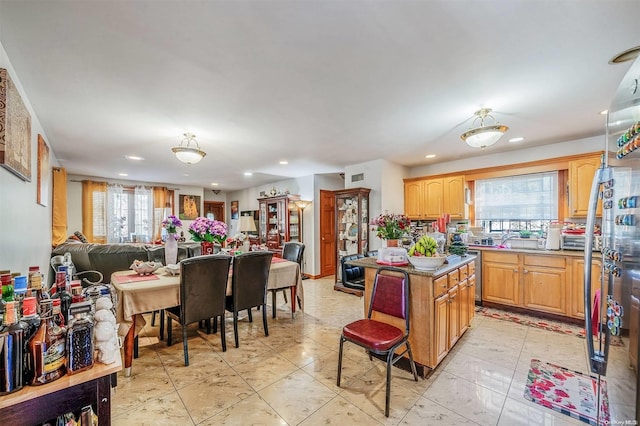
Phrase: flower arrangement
(203,229)
(390,226)
(171,223)
(237,240)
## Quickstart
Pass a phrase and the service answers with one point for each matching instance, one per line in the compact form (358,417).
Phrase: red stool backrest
(389,297)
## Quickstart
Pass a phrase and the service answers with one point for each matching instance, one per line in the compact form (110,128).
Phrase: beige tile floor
(289,377)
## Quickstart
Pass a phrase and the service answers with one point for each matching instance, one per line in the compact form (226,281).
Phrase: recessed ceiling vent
(357,178)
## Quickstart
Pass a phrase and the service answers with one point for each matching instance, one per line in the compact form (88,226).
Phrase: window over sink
(514,203)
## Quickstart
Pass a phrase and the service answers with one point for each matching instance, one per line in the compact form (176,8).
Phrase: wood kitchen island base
(34,405)
(441,304)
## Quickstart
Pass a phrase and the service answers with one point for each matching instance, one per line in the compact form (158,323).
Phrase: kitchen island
(441,306)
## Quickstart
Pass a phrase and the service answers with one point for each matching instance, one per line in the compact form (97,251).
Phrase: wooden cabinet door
(545,289)
(463,301)
(433,195)
(472,297)
(576,302)
(453,197)
(441,310)
(581,174)
(500,283)
(454,315)
(413,194)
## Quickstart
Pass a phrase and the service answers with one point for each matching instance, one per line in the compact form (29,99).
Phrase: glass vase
(171,250)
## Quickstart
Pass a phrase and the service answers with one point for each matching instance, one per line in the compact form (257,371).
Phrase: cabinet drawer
(440,286)
(463,272)
(454,278)
(471,268)
(546,261)
(499,256)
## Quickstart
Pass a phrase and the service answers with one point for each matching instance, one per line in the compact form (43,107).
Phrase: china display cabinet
(279,220)
(352,223)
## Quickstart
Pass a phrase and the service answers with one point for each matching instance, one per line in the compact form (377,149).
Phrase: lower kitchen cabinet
(550,283)
(576,303)
(501,278)
(544,281)
(471,304)
(440,308)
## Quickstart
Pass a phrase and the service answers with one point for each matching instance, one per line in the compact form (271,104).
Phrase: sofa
(109,258)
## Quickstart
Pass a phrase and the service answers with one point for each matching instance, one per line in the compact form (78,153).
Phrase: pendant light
(189,151)
(484,136)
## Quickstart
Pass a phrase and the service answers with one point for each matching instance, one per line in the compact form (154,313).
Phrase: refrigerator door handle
(597,358)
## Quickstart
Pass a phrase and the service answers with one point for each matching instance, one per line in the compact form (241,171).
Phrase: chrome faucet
(507,236)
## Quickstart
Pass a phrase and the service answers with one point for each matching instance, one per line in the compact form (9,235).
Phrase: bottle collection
(44,336)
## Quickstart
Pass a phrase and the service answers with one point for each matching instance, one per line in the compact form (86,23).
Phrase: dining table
(139,294)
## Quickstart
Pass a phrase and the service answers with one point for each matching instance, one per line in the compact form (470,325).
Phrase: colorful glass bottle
(11,351)
(47,348)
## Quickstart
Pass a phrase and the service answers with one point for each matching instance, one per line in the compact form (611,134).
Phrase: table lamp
(246,224)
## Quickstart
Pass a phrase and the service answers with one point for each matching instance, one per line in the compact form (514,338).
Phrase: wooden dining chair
(294,252)
(390,296)
(203,287)
(249,287)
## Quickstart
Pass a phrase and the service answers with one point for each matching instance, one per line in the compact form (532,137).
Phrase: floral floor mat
(531,321)
(568,392)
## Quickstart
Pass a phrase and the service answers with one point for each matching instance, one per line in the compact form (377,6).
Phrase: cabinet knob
(525,271)
(515,270)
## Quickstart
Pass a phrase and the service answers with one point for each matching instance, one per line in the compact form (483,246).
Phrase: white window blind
(523,197)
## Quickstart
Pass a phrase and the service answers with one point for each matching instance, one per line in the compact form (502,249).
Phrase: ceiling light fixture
(248,174)
(483,136)
(133,157)
(518,139)
(283,162)
(627,55)
(189,151)
(430,156)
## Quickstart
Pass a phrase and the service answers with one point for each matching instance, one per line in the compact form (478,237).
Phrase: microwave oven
(577,242)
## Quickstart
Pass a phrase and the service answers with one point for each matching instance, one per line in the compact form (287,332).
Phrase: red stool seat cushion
(373,334)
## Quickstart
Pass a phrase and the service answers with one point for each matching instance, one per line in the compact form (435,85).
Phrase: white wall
(580,146)
(25,226)
(384,178)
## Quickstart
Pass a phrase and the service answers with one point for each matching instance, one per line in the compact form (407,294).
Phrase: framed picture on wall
(15,130)
(189,206)
(44,172)
(234,209)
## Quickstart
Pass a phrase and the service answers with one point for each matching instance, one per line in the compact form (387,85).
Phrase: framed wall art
(15,129)
(234,210)
(44,172)
(188,206)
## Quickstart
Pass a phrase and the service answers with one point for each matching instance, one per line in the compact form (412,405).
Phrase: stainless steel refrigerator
(613,352)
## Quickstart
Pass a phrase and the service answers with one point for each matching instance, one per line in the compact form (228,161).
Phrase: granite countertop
(370,262)
(571,253)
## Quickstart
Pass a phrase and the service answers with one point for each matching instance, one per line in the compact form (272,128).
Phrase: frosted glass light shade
(482,137)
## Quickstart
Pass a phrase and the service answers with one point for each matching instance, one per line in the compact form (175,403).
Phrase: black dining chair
(203,287)
(389,296)
(293,252)
(249,286)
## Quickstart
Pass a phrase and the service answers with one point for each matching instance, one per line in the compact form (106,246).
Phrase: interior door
(327,233)
(216,208)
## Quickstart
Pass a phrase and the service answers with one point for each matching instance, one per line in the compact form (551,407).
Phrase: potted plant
(390,227)
(207,232)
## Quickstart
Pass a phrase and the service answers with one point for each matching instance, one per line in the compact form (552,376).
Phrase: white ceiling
(321,84)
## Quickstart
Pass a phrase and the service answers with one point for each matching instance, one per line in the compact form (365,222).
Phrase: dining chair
(203,287)
(249,286)
(293,252)
(390,296)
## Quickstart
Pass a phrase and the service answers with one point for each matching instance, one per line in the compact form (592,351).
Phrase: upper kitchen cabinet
(581,174)
(413,194)
(431,198)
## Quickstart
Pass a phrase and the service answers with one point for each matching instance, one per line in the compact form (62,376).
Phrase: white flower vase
(171,250)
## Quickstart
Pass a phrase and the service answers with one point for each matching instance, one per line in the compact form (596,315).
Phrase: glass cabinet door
(294,223)
(352,224)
